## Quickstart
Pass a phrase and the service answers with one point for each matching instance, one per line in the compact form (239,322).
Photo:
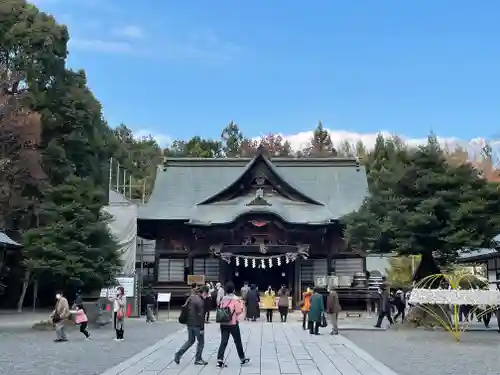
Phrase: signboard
(455,296)
(128,287)
(164,297)
(196,279)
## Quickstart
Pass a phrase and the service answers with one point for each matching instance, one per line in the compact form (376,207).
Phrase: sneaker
(221,364)
(200,362)
(244,361)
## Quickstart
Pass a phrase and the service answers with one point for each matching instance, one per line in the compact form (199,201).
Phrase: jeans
(150,316)
(313,327)
(334,320)
(60,333)
(381,316)
(226,331)
(269,315)
(304,320)
(401,312)
(194,334)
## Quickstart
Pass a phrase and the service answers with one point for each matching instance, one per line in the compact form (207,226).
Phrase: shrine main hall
(267,221)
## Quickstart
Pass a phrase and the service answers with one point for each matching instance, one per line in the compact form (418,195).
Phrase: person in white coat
(220,293)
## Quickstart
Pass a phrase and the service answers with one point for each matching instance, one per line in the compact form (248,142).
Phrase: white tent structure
(123,227)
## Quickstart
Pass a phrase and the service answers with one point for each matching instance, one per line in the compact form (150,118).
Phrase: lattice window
(171,269)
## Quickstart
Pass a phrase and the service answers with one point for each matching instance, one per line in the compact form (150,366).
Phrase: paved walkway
(274,349)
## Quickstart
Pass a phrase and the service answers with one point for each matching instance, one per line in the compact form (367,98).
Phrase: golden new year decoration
(447,314)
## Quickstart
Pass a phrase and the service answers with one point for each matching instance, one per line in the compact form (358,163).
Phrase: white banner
(455,297)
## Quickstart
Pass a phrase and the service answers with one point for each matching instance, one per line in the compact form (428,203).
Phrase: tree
(74,243)
(75,138)
(195,147)
(456,155)
(401,270)
(232,140)
(21,175)
(346,150)
(32,47)
(425,206)
(321,144)
(139,157)
(361,151)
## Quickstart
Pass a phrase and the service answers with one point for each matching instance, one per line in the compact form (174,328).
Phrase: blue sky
(184,68)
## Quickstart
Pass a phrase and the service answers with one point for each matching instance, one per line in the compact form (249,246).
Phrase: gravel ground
(35,353)
(414,351)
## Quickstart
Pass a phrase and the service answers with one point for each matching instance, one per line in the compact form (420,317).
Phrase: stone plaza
(274,349)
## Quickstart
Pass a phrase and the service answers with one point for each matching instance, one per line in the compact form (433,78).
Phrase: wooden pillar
(297,292)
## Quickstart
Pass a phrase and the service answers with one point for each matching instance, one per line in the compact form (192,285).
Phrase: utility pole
(141,276)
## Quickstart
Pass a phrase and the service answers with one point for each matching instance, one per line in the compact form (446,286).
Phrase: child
(82,320)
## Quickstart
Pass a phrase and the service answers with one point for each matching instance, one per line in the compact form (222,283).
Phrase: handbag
(119,315)
(56,318)
(184,315)
(223,315)
(324,323)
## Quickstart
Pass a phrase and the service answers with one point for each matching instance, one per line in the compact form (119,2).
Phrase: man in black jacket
(195,325)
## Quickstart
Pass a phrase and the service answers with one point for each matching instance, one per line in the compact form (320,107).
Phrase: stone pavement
(274,349)
(364,323)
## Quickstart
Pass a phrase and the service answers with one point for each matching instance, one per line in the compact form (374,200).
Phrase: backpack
(223,315)
(184,315)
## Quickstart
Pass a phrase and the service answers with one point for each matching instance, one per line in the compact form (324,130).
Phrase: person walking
(208,302)
(235,309)
(82,320)
(305,305)
(400,303)
(195,322)
(150,305)
(59,315)
(316,312)
(333,309)
(253,300)
(220,293)
(243,294)
(384,306)
(119,312)
(283,303)
(269,303)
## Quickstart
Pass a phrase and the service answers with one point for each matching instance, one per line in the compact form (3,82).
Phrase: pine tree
(75,243)
(321,144)
(232,139)
(425,206)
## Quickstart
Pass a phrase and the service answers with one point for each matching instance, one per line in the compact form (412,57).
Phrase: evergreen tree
(75,242)
(68,235)
(232,140)
(195,147)
(425,206)
(321,144)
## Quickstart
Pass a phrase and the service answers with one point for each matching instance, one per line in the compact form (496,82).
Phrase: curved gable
(260,171)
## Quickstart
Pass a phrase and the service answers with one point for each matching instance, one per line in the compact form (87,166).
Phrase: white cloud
(162,139)
(130,31)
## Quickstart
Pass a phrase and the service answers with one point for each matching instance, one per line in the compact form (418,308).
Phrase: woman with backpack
(228,314)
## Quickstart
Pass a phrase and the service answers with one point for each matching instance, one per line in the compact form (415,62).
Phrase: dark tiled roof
(338,185)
